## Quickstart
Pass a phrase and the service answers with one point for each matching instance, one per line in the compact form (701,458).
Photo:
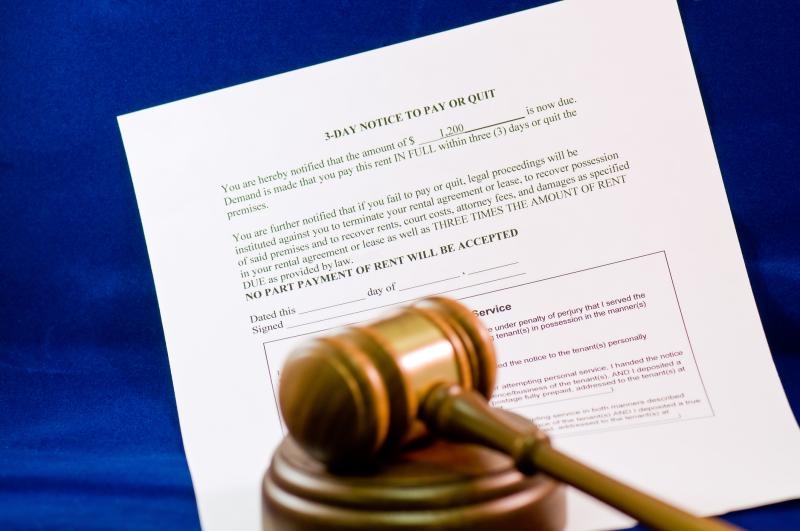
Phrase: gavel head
(348,397)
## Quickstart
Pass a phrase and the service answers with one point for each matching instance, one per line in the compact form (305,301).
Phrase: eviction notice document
(552,169)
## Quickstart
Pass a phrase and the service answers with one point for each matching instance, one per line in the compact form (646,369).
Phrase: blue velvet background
(89,436)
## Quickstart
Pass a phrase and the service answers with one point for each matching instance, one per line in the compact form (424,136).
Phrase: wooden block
(435,485)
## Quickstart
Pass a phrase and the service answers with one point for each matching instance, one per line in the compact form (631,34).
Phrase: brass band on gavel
(364,394)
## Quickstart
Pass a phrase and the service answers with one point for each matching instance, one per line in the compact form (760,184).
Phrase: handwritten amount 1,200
(451,130)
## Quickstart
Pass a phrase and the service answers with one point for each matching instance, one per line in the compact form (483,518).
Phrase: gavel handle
(459,414)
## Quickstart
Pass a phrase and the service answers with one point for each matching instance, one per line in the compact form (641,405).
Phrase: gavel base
(440,485)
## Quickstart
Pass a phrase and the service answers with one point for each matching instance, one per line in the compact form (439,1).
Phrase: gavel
(429,369)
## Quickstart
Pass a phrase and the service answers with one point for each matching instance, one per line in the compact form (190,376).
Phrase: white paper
(631,331)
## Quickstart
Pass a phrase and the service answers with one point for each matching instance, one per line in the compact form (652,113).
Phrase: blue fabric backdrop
(89,435)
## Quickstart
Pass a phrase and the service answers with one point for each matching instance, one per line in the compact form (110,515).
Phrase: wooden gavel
(365,392)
